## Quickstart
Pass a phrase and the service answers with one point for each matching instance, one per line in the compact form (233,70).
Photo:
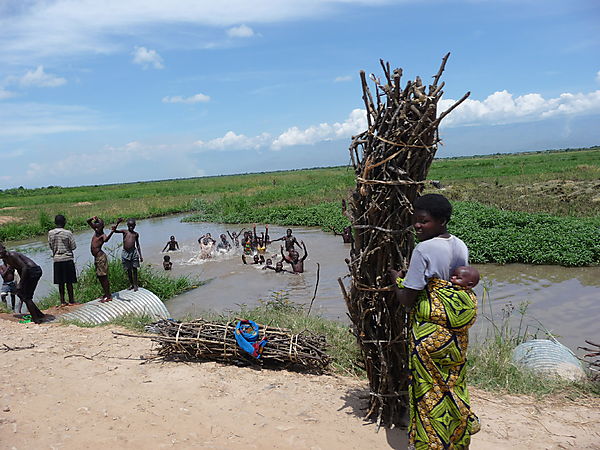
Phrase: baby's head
(465,276)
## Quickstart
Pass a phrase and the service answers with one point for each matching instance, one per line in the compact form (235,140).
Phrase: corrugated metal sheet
(550,358)
(124,302)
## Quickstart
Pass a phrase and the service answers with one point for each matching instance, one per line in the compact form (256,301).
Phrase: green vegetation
(539,208)
(88,288)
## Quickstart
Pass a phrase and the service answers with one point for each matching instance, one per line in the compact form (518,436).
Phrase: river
(565,300)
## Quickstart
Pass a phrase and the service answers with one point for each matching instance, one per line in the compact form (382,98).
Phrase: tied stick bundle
(202,340)
(391,160)
(594,364)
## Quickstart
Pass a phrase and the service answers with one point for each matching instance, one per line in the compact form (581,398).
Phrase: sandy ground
(79,388)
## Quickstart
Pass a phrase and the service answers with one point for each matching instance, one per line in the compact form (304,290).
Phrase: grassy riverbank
(560,185)
(88,288)
(489,361)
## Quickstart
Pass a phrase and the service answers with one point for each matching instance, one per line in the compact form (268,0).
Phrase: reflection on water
(564,300)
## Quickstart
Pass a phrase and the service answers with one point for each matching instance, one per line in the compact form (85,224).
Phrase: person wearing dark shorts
(30,274)
(62,244)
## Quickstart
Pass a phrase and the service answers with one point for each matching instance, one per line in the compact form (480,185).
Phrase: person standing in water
(294,259)
(289,239)
(171,244)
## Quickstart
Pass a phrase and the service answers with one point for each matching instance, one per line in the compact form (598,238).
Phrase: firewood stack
(391,160)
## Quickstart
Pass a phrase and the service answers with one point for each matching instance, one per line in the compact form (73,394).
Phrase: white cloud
(243,31)
(147,58)
(44,29)
(502,108)
(341,79)
(354,124)
(198,98)
(39,78)
(4,94)
(598,76)
(232,141)
(95,164)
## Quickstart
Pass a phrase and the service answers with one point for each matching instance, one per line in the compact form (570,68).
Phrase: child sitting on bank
(167,264)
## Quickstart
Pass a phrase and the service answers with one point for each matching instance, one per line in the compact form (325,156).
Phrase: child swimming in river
(171,244)
(167,264)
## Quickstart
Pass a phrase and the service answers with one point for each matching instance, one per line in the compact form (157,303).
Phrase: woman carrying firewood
(440,414)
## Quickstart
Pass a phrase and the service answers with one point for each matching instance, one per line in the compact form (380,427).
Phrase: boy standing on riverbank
(62,244)
(132,253)
(30,273)
(100,258)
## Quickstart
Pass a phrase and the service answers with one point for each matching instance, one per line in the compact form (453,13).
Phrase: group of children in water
(252,245)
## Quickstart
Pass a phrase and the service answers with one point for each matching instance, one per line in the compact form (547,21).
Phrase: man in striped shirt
(62,244)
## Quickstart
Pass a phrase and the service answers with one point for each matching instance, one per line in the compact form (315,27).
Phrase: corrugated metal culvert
(549,358)
(124,302)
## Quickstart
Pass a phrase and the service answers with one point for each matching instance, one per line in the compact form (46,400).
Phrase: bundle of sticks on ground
(391,160)
(594,359)
(202,340)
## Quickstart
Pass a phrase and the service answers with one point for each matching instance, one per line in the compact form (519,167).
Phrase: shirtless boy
(30,273)
(132,253)
(255,260)
(167,264)
(278,268)
(8,285)
(171,244)
(235,237)
(294,259)
(289,239)
(100,258)
(223,245)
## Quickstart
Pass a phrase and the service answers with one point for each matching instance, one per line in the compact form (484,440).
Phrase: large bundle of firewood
(203,340)
(593,360)
(391,160)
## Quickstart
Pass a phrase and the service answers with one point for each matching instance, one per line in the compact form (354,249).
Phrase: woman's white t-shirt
(435,258)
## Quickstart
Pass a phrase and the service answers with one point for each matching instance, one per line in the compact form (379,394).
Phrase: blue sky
(100,92)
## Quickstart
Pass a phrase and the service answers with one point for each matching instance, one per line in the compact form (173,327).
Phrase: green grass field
(562,185)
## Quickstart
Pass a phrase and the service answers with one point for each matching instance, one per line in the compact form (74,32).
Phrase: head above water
(131,224)
(60,220)
(279,266)
(465,276)
(288,232)
(431,216)
(269,262)
(256,258)
(223,237)
(172,238)
(166,258)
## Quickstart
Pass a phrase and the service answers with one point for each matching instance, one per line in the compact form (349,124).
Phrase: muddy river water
(565,300)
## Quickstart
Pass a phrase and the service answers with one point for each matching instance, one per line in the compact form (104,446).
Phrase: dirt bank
(81,388)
